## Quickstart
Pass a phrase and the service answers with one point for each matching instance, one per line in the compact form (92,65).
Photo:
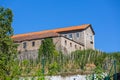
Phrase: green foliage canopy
(7,46)
(47,49)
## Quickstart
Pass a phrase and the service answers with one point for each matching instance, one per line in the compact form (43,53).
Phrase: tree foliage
(7,47)
(47,50)
(53,68)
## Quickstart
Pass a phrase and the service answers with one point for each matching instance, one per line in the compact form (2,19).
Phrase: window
(24,45)
(70,44)
(80,48)
(75,46)
(65,42)
(91,42)
(33,44)
(65,35)
(70,36)
(91,38)
(77,34)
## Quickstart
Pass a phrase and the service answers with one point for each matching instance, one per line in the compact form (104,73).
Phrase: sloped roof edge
(50,33)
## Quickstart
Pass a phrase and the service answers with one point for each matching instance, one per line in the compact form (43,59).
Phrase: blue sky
(37,15)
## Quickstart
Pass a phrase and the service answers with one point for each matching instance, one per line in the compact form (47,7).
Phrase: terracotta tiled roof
(72,28)
(35,36)
(47,33)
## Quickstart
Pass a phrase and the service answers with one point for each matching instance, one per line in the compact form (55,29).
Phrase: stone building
(65,39)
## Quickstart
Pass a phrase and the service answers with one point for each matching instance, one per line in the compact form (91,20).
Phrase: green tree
(47,53)
(7,46)
(47,50)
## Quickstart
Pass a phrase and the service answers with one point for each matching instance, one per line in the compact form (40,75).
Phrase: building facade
(66,40)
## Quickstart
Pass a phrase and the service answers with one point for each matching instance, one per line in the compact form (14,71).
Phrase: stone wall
(57,43)
(27,55)
(79,39)
(84,40)
(61,43)
(86,37)
(69,46)
(89,38)
(29,45)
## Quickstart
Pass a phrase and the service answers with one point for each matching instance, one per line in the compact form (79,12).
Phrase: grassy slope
(78,62)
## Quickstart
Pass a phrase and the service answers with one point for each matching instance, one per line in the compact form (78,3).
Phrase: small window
(74,78)
(70,36)
(33,44)
(75,46)
(91,38)
(70,44)
(65,42)
(80,48)
(65,35)
(91,42)
(24,45)
(77,34)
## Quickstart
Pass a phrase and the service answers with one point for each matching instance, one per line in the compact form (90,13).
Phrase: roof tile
(35,36)
(47,33)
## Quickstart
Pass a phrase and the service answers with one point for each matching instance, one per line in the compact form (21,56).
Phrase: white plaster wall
(73,77)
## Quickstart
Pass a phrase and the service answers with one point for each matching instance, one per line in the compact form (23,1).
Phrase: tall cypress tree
(7,47)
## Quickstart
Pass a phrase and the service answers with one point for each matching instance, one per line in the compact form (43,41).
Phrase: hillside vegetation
(51,62)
